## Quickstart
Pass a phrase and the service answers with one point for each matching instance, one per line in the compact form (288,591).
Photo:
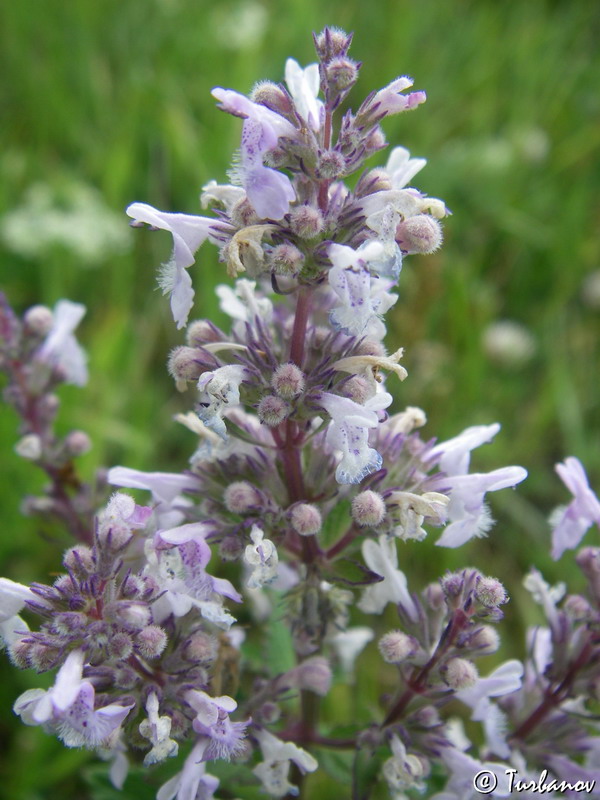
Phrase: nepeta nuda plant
(304,492)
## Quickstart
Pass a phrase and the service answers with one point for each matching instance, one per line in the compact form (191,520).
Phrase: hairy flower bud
(485,640)
(331,43)
(243,214)
(490,592)
(272,410)
(331,165)
(306,519)
(269,94)
(375,180)
(368,509)
(358,389)
(460,673)
(286,259)
(151,641)
(200,648)
(39,320)
(120,646)
(434,596)
(78,443)
(288,381)
(420,234)
(341,72)
(306,221)
(202,331)
(188,363)
(131,616)
(397,646)
(241,497)
(577,607)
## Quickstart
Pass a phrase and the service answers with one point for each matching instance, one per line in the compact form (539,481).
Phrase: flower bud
(286,259)
(188,363)
(202,331)
(151,641)
(314,675)
(341,72)
(269,713)
(39,320)
(288,381)
(125,677)
(19,652)
(369,347)
(397,646)
(375,180)
(200,648)
(272,410)
(358,389)
(420,234)
(331,43)
(460,673)
(331,165)
(243,214)
(241,497)
(490,592)
(42,658)
(134,586)
(306,221)
(29,447)
(368,509)
(485,640)
(306,519)
(132,616)
(78,443)
(120,646)
(577,607)
(435,597)
(269,94)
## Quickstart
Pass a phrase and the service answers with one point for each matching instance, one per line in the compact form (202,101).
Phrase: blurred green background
(105,102)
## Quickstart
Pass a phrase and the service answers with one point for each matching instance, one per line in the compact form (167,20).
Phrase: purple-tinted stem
(300,322)
(554,697)
(343,543)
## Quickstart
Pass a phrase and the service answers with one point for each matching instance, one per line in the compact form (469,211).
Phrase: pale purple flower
(165,486)
(278,756)
(467,512)
(157,730)
(390,99)
(219,392)
(348,433)
(403,770)
(60,348)
(571,523)
(188,232)
(261,556)
(360,302)
(402,168)
(13,598)
(270,192)
(192,783)
(225,738)
(382,558)
(463,769)
(69,707)
(454,455)
(224,194)
(303,85)
(384,224)
(349,644)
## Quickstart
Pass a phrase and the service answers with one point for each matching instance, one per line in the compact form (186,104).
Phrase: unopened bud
(306,519)
(79,561)
(331,165)
(132,616)
(485,640)
(243,214)
(189,363)
(286,259)
(151,641)
(435,597)
(375,180)
(358,389)
(420,234)
(342,72)
(78,443)
(490,592)
(272,410)
(397,646)
(577,607)
(368,509)
(120,646)
(39,320)
(272,96)
(29,447)
(369,347)
(314,675)
(241,497)
(42,658)
(331,43)
(460,673)
(202,331)
(269,713)
(200,648)
(288,381)
(306,221)
(19,652)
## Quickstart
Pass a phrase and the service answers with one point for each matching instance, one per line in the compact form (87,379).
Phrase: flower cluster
(299,494)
